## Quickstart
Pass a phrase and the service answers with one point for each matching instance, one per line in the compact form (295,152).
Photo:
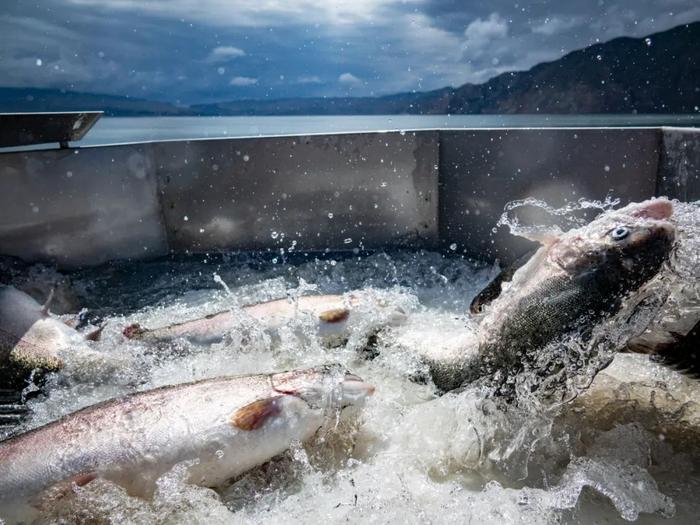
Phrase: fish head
(631,242)
(319,385)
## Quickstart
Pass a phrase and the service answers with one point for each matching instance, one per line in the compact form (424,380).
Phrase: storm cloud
(189,51)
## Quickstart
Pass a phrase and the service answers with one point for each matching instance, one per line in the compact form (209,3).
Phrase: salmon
(222,426)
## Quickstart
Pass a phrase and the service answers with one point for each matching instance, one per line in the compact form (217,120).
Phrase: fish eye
(620,233)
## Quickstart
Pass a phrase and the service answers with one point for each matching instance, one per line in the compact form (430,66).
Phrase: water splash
(566,214)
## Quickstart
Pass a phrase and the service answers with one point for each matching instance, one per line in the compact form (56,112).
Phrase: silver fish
(571,282)
(223,426)
(334,316)
(31,338)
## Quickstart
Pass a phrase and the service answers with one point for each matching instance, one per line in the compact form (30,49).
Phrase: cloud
(260,13)
(243,81)
(224,54)
(349,79)
(481,32)
(555,25)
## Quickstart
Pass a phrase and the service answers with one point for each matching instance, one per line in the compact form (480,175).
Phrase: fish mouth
(313,384)
(657,209)
(355,390)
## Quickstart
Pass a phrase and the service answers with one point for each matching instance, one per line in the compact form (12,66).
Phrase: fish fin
(95,334)
(334,315)
(133,331)
(47,304)
(684,355)
(254,415)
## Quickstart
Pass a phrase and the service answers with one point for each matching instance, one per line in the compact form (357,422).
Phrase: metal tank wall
(482,170)
(679,165)
(426,189)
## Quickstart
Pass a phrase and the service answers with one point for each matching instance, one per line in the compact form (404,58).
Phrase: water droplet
(453,246)
(221,70)
(274,235)
(246,158)
(186,218)
(599,57)
(39,62)
(647,41)
(219,453)
(402,133)
(347,241)
(69,174)
(330,214)
(606,168)
(383,184)
(333,262)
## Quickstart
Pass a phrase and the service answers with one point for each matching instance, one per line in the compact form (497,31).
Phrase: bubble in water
(185,218)
(330,214)
(647,41)
(246,158)
(274,235)
(453,246)
(347,241)
(39,62)
(599,57)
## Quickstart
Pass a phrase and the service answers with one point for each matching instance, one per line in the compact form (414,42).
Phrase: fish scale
(567,286)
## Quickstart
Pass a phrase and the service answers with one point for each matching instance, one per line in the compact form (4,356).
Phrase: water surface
(133,129)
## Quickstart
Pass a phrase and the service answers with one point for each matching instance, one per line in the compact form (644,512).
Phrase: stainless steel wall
(362,190)
(340,191)
(679,168)
(482,170)
(80,207)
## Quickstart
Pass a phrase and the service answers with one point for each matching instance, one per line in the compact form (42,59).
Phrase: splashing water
(567,214)
(407,456)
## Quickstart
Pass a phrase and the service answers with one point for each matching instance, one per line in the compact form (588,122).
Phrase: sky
(193,51)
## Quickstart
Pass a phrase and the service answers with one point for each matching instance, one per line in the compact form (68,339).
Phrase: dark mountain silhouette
(18,100)
(659,73)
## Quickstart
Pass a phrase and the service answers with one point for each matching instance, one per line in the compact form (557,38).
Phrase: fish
(571,282)
(221,427)
(31,338)
(493,289)
(334,317)
(38,280)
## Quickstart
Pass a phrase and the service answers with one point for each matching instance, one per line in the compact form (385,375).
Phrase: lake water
(110,130)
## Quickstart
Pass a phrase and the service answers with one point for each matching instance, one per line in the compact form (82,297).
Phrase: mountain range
(659,73)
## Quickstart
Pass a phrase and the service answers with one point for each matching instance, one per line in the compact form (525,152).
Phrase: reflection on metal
(305,193)
(338,192)
(81,206)
(482,170)
(679,167)
(26,129)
